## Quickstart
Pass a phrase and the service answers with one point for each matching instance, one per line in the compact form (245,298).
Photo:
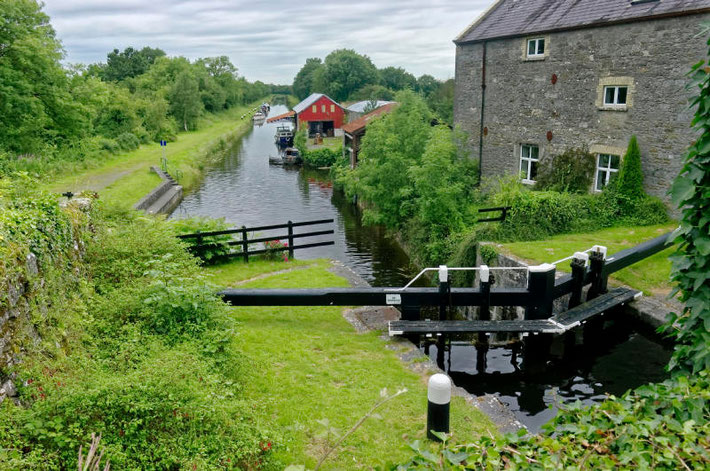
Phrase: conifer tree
(630,182)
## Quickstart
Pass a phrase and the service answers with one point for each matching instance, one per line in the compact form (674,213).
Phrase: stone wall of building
(522,104)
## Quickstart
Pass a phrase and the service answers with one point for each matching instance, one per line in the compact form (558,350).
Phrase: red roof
(360,123)
(288,114)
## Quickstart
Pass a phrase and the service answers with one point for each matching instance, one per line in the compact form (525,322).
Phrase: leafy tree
(373,92)
(220,68)
(630,180)
(303,82)
(118,114)
(392,145)
(443,181)
(691,262)
(441,101)
(572,171)
(345,71)
(426,84)
(396,78)
(35,106)
(185,102)
(129,63)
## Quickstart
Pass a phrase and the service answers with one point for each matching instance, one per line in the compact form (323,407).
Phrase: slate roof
(360,123)
(360,106)
(312,98)
(508,18)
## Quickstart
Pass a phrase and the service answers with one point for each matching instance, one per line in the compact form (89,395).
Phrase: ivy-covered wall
(40,253)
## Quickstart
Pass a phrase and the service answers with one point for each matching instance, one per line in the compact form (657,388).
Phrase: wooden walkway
(556,324)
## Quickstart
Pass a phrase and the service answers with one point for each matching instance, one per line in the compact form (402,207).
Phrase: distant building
(356,110)
(535,77)
(320,114)
(353,131)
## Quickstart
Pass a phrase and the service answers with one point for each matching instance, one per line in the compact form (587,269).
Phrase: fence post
(579,270)
(245,244)
(597,260)
(290,240)
(444,291)
(486,280)
(541,284)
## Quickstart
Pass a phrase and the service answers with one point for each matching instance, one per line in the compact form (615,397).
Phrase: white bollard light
(438,410)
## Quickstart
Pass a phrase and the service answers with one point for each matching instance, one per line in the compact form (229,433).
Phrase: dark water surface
(245,190)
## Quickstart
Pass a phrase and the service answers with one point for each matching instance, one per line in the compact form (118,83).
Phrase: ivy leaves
(691,263)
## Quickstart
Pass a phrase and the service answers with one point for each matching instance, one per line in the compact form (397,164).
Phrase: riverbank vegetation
(124,178)
(56,118)
(120,335)
(345,76)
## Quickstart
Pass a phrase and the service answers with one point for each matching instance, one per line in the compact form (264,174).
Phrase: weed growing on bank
(133,345)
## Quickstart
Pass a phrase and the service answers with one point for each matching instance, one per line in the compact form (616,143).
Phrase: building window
(322,108)
(536,48)
(615,95)
(314,108)
(529,158)
(607,170)
(332,108)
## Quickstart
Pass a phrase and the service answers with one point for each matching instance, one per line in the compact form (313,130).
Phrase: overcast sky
(269,41)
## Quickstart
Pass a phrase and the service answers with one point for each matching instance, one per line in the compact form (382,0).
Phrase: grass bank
(125,178)
(309,365)
(651,275)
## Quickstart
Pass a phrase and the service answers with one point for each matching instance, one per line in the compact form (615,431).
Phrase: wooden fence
(201,245)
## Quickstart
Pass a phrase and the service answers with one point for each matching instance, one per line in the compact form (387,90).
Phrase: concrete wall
(522,104)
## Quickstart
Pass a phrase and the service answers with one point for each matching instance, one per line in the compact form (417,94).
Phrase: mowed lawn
(125,178)
(307,364)
(651,275)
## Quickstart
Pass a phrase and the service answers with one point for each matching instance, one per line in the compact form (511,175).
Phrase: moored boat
(290,156)
(284,136)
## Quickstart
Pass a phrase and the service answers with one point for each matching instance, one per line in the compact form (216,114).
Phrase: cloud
(269,41)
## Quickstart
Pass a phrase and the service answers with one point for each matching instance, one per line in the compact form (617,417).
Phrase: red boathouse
(320,114)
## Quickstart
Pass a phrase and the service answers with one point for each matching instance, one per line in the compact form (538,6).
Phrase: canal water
(245,189)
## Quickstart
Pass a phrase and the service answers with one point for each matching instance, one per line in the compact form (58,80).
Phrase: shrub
(323,157)
(658,426)
(214,247)
(145,352)
(630,180)
(128,141)
(572,171)
(109,145)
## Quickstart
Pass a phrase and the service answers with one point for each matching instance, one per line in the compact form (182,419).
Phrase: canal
(245,189)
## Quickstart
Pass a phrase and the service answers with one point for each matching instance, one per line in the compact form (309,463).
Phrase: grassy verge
(652,275)
(332,143)
(309,364)
(125,178)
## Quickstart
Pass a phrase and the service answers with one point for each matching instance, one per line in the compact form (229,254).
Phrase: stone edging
(164,198)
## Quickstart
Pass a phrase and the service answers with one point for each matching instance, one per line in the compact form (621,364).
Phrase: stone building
(536,77)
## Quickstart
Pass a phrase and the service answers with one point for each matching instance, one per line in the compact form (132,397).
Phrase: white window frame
(615,103)
(529,159)
(537,54)
(608,171)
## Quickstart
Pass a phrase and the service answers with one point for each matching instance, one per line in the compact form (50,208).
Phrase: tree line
(345,75)
(48,110)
